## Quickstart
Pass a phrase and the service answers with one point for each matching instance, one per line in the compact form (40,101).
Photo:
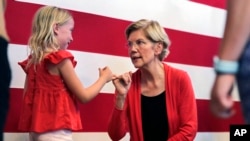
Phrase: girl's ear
(55,29)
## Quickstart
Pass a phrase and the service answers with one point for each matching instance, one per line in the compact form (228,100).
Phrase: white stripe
(89,136)
(212,136)
(103,136)
(181,15)
(88,64)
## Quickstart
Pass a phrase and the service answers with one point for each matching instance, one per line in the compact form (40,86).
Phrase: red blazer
(181,109)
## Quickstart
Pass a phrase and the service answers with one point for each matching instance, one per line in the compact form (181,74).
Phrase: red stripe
(105,35)
(214,3)
(95,114)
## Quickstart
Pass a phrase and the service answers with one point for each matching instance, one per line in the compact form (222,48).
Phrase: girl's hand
(106,73)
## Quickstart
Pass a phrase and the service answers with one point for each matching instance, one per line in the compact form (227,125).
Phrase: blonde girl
(52,88)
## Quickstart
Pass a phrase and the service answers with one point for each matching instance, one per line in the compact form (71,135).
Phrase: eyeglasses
(138,44)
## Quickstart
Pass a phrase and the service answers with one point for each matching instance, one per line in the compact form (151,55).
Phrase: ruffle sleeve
(24,63)
(57,57)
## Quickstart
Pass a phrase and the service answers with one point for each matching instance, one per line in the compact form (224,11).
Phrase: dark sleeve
(5,75)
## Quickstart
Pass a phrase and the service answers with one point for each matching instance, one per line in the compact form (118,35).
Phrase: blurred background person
(5,77)
(232,65)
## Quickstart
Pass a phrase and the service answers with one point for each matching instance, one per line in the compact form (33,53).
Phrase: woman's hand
(122,84)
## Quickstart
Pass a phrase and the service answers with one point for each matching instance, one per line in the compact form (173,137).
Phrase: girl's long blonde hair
(42,39)
(4,2)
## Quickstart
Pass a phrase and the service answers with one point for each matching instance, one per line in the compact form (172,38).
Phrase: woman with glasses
(157,101)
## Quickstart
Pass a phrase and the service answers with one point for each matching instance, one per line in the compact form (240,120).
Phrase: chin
(137,66)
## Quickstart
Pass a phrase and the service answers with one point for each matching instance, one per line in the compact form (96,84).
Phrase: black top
(154,118)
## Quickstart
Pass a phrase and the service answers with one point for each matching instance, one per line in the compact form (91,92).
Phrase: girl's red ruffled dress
(47,103)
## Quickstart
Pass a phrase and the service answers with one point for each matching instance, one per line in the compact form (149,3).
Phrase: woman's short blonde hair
(153,31)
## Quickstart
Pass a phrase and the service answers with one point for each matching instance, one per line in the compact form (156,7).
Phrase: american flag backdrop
(195,28)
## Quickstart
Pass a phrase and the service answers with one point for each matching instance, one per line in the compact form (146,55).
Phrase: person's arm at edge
(3,31)
(236,34)
(237,30)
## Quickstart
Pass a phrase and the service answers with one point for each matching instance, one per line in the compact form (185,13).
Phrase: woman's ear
(158,48)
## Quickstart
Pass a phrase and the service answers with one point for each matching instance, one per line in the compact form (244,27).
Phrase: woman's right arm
(118,121)
(117,127)
(122,84)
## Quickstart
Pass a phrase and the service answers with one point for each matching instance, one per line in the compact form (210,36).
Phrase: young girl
(52,88)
